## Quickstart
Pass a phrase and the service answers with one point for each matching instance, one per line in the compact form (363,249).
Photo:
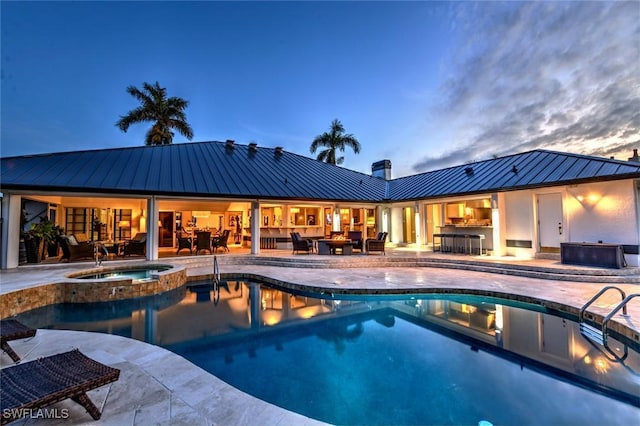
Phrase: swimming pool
(374,360)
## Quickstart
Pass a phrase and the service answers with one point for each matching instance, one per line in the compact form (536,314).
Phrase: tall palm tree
(166,113)
(333,140)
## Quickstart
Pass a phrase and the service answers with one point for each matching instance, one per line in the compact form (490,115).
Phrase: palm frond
(165,113)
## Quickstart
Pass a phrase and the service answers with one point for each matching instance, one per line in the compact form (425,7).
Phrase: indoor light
(198,213)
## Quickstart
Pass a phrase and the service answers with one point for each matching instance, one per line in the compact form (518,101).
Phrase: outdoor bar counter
(466,239)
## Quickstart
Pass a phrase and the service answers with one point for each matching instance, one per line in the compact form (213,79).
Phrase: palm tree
(333,140)
(167,113)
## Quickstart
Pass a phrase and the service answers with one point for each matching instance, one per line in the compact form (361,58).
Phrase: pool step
(592,333)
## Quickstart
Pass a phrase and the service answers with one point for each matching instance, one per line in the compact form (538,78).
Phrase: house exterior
(522,205)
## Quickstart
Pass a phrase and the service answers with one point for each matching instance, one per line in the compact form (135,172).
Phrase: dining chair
(203,242)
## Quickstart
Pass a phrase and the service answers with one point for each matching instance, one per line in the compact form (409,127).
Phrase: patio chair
(38,384)
(74,247)
(301,244)
(184,242)
(221,241)
(11,329)
(203,242)
(137,245)
(356,239)
(376,244)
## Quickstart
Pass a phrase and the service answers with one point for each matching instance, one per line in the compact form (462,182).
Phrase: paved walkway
(159,387)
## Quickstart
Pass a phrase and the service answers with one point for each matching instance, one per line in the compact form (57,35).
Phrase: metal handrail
(622,305)
(216,281)
(600,293)
(216,270)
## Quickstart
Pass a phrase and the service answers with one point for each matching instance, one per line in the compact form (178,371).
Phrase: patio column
(335,223)
(418,214)
(10,231)
(255,227)
(153,217)
(499,224)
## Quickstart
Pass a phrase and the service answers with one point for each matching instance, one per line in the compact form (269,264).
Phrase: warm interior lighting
(295,210)
(198,213)
(124,224)
(159,224)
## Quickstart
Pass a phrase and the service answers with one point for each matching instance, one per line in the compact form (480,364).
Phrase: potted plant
(53,244)
(39,237)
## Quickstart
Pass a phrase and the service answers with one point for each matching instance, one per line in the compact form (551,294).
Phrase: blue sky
(424,84)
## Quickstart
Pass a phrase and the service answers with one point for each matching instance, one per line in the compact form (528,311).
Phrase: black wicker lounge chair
(45,381)
(301,244)
(376,244)
(11,329)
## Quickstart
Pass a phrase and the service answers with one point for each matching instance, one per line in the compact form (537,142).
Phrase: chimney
(635,156)
(278,151)
(253,147)
(381,169)
(229,145)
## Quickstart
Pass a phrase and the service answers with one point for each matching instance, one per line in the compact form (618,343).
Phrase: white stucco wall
(520,222)
(604,211)
(607,212)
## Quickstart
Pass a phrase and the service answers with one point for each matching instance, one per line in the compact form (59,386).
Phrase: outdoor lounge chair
(356,239)
(37,384)
(75,247)
(376,244)
(301,244)
(11,329)
(137,245)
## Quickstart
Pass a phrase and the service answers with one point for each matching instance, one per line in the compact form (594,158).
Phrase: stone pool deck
(159,387)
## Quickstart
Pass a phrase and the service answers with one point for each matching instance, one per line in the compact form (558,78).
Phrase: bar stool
(434,242)
(460,243)
(479,238)
(445,246)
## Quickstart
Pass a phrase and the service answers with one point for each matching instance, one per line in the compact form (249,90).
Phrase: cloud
(552,75)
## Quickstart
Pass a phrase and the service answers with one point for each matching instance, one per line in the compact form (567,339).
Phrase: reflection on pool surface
(445,360)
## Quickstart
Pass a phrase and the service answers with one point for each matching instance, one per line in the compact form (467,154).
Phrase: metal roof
(203,169)
(213,169)
(531,169)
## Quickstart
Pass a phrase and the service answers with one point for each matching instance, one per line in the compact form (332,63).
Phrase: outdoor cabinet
(592,254)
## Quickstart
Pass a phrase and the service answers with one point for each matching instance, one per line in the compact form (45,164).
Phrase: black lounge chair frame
(301,244)
(45,381)
(136,246)
(11,329)
(376,244)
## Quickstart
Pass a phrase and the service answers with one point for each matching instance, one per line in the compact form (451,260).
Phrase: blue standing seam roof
(222,170)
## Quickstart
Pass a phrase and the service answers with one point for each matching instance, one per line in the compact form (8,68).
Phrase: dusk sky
(426,85)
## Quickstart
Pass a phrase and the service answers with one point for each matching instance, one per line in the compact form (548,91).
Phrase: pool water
(376,361)
(136,274)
